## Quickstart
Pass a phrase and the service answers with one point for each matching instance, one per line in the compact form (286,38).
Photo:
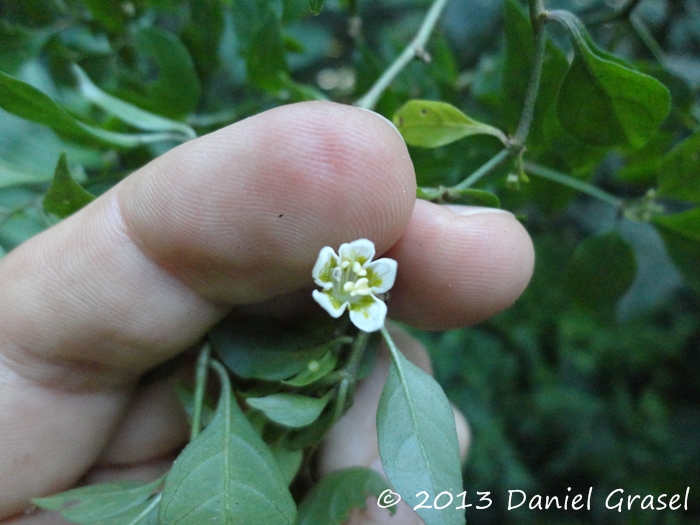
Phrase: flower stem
(484,170)
(571,182)
(199,389)
(414,49)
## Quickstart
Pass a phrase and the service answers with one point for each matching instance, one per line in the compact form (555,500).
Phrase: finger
(353,439)
(458,266)
(141,273)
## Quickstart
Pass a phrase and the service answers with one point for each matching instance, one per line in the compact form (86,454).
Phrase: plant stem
(571,182)
(414,49)
(539,20)
(484,170)
(199,389)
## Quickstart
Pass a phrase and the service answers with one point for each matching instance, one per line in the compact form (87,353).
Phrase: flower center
(351,278)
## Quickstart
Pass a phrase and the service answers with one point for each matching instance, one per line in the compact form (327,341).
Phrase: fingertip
(459,266)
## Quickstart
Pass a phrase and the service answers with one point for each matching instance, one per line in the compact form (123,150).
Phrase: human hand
(231,221)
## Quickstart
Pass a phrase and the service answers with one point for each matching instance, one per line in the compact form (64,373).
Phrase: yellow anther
(349,286)
(358,269)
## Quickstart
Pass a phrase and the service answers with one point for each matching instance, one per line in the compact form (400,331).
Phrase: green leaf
(27,102)
(418,440)
(258,25)
(290,410)
(601,270)
(316,6)
(176,90)
(604,102)
(431,124)
(287,460)
(100,503)
(65,196)
(679,174)
(254,347)
(13,176)
(315,370)
(681,235)
(109,13)
(226,475)
(330,501)
(127,112)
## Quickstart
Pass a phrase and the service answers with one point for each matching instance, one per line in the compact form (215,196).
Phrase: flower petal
(334,307)
(361,250)
(327,260)
(369,317)
(382,274)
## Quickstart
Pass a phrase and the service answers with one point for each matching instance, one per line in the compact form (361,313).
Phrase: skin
(227,223)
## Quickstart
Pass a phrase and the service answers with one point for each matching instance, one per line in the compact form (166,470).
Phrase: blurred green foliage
(568,388)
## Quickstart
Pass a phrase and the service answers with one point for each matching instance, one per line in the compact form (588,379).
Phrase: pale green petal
(370,316)
(331,305)
(382,274)
(361,250)
(327,260)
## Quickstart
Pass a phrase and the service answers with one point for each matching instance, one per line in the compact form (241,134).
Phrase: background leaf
(679,173)
(65,196)
(226,475)
(681,235)
(601,270)
(127,112)
(330,501)
(430,124)
(316,6)
(605,103)
(418,441)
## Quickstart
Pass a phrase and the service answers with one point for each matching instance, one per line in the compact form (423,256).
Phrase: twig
(415,49)
(484,170)
(539,20)
(571,182)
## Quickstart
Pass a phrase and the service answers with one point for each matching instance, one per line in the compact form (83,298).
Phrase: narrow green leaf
(330,501)
(97,503)
(290,410)
(602,100)
(226,475)
(681,235)
(254,347)
(13,176)
(29,103)
(316,6)
(65,196)
(127,112)
(418,439)
(430,124)
(601,270)
(679,174)
(315,370)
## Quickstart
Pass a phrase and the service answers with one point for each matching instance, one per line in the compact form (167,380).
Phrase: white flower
(351,280)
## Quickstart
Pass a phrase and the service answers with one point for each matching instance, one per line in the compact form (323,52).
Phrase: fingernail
(474,210)
(383,118)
